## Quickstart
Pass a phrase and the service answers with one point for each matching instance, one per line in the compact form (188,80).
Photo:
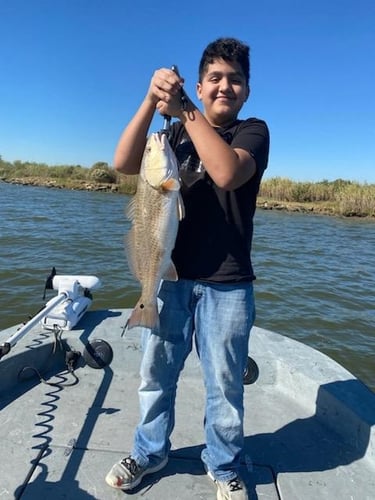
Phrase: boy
(222,160)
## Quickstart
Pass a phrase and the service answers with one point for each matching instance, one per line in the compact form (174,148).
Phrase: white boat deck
(309,423)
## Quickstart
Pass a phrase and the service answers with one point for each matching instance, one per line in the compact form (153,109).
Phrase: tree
(102,172)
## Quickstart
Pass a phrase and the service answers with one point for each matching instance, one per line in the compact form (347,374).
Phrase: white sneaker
(127,474)
(233,489)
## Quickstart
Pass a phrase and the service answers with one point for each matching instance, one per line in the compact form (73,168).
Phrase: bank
(330,208)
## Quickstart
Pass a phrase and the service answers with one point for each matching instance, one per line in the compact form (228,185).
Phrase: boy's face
(223,90)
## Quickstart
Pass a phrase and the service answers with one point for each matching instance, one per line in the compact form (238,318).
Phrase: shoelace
(130,464)
(234,484)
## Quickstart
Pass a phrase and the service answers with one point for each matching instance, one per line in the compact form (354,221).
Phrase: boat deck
(309,423)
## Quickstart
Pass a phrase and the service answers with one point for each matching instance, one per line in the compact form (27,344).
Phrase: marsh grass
(339,197)
(100,175)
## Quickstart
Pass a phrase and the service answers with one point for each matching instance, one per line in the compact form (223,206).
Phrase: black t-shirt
(214,239)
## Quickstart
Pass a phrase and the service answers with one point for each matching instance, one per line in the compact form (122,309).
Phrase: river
(315,274)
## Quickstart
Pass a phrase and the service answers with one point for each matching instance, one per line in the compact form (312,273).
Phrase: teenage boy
(222,160)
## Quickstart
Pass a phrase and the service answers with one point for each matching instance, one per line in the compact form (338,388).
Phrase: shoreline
(322,208)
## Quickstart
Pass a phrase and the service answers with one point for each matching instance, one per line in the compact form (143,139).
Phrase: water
(316,274)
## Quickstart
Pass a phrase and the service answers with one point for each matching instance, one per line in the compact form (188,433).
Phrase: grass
(339,197)
(99,177)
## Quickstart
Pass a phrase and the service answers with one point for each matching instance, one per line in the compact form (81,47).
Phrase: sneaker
(127,474)
(233,489)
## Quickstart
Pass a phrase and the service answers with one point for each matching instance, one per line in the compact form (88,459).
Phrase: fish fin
(180,207)
(132,257)
(130,209)
(171,273)
(170,184)
(145,315)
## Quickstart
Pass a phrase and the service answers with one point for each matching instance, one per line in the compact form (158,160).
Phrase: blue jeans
(221,317)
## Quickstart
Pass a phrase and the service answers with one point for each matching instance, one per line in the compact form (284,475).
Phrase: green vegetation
(100,177)
(339,197)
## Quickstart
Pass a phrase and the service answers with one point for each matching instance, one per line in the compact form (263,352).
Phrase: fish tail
(145,315)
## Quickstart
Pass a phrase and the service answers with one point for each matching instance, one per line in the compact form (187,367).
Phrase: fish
(155,212)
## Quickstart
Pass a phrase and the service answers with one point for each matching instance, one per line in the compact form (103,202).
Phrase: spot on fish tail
(145,315)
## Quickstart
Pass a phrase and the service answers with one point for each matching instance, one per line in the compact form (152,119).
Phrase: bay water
(315,274)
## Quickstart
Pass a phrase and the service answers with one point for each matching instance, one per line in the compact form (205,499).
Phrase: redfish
(155,212)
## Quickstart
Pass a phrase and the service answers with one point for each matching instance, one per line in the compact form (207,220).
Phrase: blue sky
(72,73)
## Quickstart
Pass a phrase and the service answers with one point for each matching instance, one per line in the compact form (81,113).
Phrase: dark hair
(229,49)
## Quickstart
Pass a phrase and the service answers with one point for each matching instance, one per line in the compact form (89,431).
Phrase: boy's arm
(129,151)
(228,167)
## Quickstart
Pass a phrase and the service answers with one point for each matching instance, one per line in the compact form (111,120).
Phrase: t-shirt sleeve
(253,136)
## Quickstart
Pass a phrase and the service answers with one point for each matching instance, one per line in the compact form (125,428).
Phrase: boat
(69,406)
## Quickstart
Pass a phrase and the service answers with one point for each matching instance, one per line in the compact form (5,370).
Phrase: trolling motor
(77,299)
(63,311)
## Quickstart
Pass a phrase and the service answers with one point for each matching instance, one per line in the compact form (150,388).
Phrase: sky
(73,72)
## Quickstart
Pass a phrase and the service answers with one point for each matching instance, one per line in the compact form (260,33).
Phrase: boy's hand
(164,91)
